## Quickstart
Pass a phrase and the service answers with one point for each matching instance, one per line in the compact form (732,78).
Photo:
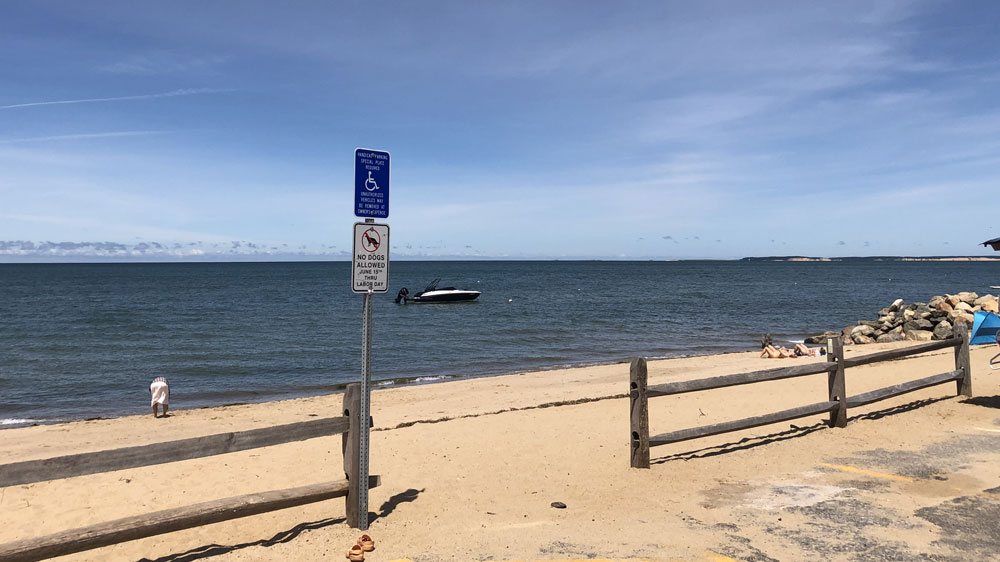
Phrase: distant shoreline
(64,260)
(870,258)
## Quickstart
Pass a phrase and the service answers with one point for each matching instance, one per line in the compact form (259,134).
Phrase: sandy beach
(470,469)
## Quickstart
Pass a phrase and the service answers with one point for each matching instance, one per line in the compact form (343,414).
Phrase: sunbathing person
(777,353)
(802,350)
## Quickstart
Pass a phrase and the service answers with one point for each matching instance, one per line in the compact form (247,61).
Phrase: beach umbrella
(995,243)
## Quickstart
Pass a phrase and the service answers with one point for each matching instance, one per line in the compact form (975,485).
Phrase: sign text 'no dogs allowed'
(370,267)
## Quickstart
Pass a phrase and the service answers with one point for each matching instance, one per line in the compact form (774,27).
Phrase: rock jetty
(920,321)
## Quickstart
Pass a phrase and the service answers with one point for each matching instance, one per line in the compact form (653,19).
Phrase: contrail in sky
(174,93)
(84,136)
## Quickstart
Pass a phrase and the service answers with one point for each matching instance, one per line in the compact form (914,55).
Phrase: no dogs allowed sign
(370,264)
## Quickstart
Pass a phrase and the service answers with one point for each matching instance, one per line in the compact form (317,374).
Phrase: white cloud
(165,62)
(26,250)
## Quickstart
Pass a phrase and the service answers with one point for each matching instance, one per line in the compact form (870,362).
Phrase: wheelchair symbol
(370,184)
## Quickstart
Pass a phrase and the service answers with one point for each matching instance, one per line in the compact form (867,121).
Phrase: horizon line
(54,260)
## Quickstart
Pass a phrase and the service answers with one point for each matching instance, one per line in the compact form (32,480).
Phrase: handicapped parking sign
(371,183)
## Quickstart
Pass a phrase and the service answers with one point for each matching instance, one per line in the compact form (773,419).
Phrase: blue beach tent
(984,328)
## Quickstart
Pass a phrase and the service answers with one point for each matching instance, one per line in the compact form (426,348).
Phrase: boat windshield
(433,285)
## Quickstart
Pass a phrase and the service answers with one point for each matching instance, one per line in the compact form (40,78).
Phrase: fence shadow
(742,444)
(210,550)
(794,432)
(986,401)
(900,409)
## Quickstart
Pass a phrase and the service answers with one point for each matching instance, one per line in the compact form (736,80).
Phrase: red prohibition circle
(370,240)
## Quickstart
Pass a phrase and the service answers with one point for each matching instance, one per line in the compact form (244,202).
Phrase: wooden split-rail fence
(166,521)
(836,404)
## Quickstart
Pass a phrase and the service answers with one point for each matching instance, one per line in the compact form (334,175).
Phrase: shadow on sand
(217,549)
(210,550)
(794,432)
(986,401)
(392,503)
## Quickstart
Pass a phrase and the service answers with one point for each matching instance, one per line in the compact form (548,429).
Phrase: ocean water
(84,340)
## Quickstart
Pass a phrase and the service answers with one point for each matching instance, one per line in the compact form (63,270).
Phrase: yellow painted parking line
(867,472)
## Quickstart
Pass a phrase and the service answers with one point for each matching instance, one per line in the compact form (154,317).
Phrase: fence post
(639,421)
(962,361)
(351,445)
(836,382)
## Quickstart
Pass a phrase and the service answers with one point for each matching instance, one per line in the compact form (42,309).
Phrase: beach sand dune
(470,470)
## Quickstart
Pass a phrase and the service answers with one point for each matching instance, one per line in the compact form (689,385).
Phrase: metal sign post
(369,275)
(366,375)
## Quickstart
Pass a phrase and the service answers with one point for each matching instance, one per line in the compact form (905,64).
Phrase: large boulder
(967,297)
(821,338)
(908,315)
(917,324)
(863,330)
(963,307)
(943,330)
(861,338)
(952,300)
(965,317)
(946,306)
(935,301)
(896,305)
(984,299)
(889,337)
(990,306)
(953,315)
(919,335)
(845,334)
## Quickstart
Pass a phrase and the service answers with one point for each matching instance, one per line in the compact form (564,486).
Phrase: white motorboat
(434,294)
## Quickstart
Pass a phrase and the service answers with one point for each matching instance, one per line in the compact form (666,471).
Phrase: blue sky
(226,130)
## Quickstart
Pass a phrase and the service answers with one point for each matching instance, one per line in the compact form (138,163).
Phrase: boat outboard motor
(401,295)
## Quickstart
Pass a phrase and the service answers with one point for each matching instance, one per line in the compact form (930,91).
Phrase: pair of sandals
(357,552)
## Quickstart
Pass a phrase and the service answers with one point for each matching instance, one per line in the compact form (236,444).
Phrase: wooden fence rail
(836,404)
(169,520)
(166,521)
(69,466)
